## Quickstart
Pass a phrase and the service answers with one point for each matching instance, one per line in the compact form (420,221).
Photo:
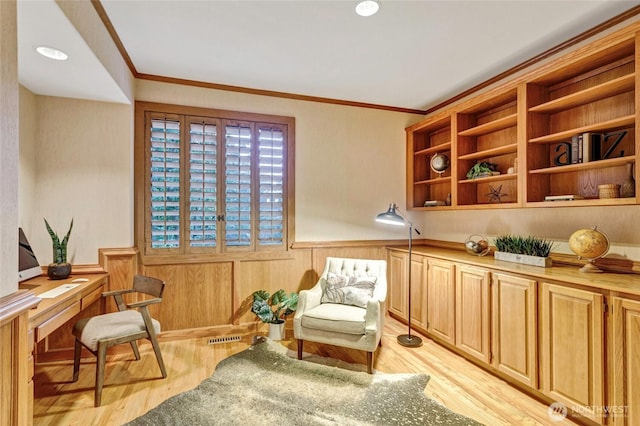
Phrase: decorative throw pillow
(345,290)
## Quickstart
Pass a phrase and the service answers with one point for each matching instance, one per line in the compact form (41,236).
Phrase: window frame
(142,202)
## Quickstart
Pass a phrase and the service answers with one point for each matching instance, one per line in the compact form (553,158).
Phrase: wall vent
(224,339)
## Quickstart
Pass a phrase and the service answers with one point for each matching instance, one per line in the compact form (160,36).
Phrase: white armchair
(345,307)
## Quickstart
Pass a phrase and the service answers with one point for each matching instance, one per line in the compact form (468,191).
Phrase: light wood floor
(133,387)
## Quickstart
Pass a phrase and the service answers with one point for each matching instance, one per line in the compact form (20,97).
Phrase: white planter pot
(276,331)
(524,259)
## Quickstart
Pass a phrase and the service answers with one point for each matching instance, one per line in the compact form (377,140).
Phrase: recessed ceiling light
(367,7)
(52,53)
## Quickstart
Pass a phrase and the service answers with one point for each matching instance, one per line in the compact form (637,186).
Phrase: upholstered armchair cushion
(91,330)
(342,324)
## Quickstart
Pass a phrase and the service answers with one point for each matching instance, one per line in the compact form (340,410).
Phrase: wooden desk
(51,314)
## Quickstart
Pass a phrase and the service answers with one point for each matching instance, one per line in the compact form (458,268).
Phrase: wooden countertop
(47,308)
(615,282)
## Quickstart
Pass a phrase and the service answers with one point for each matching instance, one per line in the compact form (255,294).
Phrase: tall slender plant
(59,247)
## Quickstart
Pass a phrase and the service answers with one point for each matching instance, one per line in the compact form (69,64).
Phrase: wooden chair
(131,323)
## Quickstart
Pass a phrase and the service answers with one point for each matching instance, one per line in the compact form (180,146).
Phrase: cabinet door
(472,311)
(515,329)
(419,267)
(625,371)
(572,348)
(441,300)
(397,287)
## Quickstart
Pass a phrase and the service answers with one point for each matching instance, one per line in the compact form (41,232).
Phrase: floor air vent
(224,339)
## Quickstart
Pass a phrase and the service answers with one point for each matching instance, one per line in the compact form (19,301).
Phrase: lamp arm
(407,219)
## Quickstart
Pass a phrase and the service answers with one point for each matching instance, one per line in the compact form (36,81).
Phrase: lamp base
(409,341)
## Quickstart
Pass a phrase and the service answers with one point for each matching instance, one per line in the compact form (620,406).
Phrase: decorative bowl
(477,245)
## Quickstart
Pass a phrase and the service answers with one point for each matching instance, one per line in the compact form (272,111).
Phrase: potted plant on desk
(272,309)
(59,269)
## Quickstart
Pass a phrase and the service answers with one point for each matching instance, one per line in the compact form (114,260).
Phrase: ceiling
(411,54)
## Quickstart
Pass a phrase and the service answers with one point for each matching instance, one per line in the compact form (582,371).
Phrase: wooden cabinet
(515,329)
(399,286)
(562,129)
(472,311)
(419,291)
(572,348)
(625,362)
(441,314)
(397,283)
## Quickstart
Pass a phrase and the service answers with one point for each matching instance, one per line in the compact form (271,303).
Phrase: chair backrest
(360,268)
(148,285)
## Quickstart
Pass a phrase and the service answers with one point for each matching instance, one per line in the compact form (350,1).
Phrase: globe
(440,163)
(589,244)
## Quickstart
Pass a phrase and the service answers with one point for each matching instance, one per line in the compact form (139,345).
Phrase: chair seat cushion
(108,326)
(336,318)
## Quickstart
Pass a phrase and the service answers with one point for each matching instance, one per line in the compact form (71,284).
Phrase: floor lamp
(394,217)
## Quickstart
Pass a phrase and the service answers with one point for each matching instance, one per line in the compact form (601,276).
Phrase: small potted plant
(272,309)
(59,269)
(526,250)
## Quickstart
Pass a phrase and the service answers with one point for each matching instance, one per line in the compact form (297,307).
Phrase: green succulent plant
(273,308)
(480,168)
(532,246)
(59,247)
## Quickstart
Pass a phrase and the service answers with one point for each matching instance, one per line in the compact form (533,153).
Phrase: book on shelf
(585,147)
(576,149)
(591,146)
(567,197)
(434,203)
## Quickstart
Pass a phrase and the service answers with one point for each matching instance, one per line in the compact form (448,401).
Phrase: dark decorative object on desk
(59,269)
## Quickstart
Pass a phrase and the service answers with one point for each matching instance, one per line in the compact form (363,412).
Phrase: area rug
(262,385)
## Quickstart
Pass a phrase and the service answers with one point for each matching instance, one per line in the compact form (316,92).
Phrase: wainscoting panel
(196,295)
(292,275)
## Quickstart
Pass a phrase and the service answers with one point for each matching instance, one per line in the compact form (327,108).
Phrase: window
(215,182)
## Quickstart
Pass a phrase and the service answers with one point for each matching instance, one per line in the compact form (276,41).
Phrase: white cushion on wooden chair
(335,317)
(116,324)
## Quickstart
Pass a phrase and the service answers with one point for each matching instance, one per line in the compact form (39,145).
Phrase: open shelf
(599,164)
(592,94)
(492,152)
(434,149)
(494,178)
(492,126)
(443,179)
(609,125)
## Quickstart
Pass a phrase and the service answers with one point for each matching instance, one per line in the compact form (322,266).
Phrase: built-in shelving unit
(487,133)
(424,184)
(565,128)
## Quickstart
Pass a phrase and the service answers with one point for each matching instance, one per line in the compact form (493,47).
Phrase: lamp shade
(391,217)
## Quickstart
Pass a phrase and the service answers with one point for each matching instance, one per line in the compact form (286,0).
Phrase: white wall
(82,172)
(27,180)
(350,162)
(8,148)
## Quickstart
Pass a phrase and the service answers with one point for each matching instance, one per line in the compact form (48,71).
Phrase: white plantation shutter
(271,186)
(203,160)
(213,185)
(165,183)
(238,141)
